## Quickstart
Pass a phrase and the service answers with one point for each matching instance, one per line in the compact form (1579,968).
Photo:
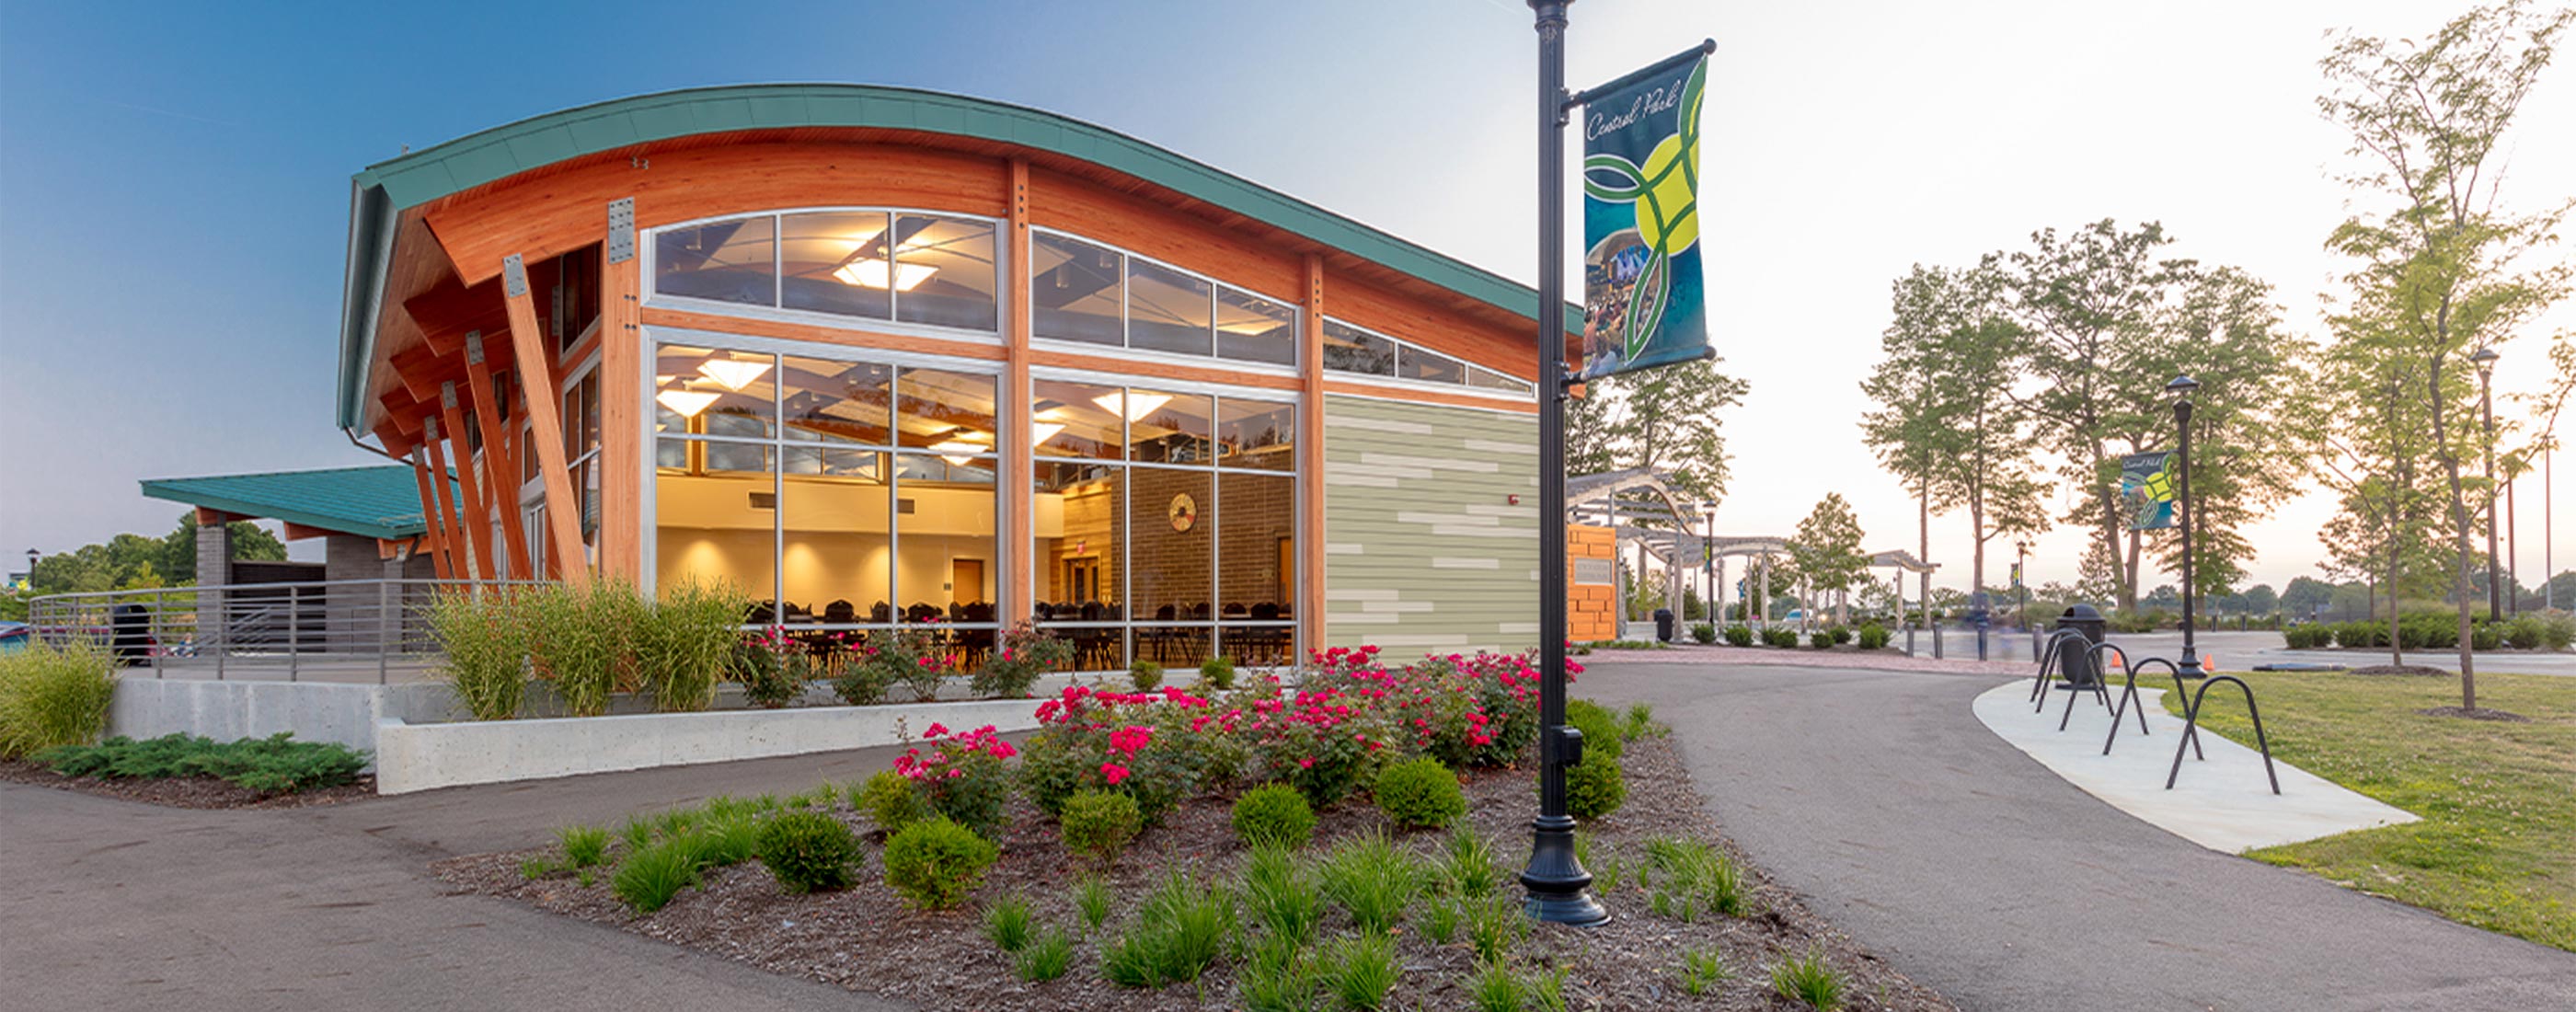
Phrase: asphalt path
(1977,871)
(125,905)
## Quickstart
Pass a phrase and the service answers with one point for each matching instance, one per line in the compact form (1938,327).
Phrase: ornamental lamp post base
(1559,888)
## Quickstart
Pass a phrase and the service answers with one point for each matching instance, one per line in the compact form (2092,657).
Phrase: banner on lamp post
(1644,303)
(2147,490)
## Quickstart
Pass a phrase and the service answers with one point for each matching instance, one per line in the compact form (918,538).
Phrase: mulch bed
(183,792)
(2481,713)
(865,939)
(2412,670)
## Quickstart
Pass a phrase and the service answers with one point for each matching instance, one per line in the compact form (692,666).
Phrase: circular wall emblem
(1184,512)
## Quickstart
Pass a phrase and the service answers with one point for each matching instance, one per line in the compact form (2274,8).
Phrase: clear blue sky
(174,178)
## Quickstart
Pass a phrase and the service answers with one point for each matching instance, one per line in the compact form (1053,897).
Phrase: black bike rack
(2047,667)
(2129,694)
(2191,722)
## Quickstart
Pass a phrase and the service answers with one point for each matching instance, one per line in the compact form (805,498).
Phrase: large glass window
(1082,291)
(845,496)
(880,265)
(1350,349)
(1143,550)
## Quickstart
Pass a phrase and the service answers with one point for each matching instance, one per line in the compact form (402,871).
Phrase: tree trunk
(1925,599)
(2459,537)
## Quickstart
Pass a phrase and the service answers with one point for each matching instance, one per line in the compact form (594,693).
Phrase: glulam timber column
(563,508)
(478,524)
(621,402)
(500,460)
(451,531)
(1310,455)
(1019,469)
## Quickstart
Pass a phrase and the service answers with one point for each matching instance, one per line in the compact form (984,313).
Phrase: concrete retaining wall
(315,711)
(419,757)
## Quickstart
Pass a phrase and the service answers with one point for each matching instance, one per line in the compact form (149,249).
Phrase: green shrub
(1420,793)
(580,640)
(1361,970)
(2526,632)
(1704,633)
(272,765)
(583,846)
(1808,980)
(772,669)
(891,799)
(52,696)
(806,851)
(483,649)
(1218,671)
(684,644)
(2557,630)
(1274,814)
(1008,923)
(1841,634)
(1371,878)
(1873,637)
(1047,956)
(1739,635)
(856,683)
(1820,639)
(934,863)
(1181,930)
(1600,729)
(1145,675)
(1099,823)
(2486,636)
(1024,653)
(648,879)
(1780,636)
(1595,787)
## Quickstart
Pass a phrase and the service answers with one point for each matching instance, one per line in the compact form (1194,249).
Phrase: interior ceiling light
(1040,432)
(867,273)
(663,379)
(687,402)
(734,373)
(1133,407)
(959,443)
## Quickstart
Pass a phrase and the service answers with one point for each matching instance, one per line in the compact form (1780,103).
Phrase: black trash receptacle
(129,633)
(2075,653)
(1664,624)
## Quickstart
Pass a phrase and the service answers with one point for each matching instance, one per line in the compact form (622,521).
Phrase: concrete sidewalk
(1979,872)
(125,905)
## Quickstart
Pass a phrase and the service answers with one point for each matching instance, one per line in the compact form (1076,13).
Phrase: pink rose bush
(965,776)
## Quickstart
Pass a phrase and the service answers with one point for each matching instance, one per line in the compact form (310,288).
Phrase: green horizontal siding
(1423,549)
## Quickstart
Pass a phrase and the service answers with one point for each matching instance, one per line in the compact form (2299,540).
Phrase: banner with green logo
(1643,299)
(2147,490)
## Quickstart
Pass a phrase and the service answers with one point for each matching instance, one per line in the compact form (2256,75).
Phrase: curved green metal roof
(381,192)
(378,501)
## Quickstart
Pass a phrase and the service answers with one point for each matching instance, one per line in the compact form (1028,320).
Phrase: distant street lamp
(2486,360)
(2182,387)
(2021,580)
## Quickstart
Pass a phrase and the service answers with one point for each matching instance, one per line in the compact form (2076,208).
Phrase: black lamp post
(2182,387)
(2486,360)
(1559,888)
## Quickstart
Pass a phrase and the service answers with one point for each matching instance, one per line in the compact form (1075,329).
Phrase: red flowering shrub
(1138,744)
(911,656)
(965,776)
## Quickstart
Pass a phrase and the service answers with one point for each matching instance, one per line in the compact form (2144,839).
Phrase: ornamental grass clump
(1419,793)
(1024,653)
(684,644)
(1182,929)
(1495,988)
(1099,824)
(1691,877)
(933,864)
(580,641)
(583,846)
(1361,970)
(1046,957)
(1466,864)
(1372,879)
(1495,925)
(1278,976)
(806,851)
(1091,899)
(1009,923)
(1808,980)
(1282,895)
(1703,970)
(483,649)
(648,879)
(1274,815)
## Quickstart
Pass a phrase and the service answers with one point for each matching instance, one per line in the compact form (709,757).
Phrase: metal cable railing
(342,628)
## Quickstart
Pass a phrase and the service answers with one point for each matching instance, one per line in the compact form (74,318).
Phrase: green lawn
(2497,844)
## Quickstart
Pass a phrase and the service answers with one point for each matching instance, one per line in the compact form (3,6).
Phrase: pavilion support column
(500,461)
(621,401)
(1019,477)
(1310,456)
(451,531)
(214,569)
(563,508)
(433,537)
(478,523)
